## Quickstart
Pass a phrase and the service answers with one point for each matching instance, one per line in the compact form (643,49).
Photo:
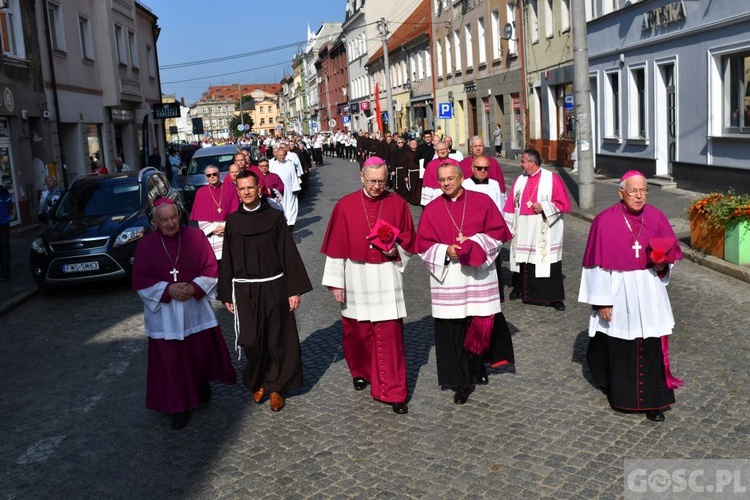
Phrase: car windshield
(198,165)
(96,199)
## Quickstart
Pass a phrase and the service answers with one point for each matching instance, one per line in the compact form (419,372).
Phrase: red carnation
(385,234)
(658,256)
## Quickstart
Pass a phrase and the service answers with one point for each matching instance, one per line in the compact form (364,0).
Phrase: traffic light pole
(582,96)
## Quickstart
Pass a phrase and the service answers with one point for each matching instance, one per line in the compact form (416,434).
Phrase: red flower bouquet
(661,250)
(383,235)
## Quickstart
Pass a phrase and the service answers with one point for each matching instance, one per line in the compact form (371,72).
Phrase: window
(736,92)
(120,45)
(469,46)
(262,109)
(420,66)
(133,49)
(270,120)
(612,105)
(549,19)
(427,63)
(56,31)
(457,44)
(12,31)
(84,30)
(513,41)
(448,49)
(533,17)
(637,104)
(564,16)
(496,51)
(482,42)
(439,60)
(151,62)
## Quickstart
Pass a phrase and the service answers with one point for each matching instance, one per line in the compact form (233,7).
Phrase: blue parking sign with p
(445,110)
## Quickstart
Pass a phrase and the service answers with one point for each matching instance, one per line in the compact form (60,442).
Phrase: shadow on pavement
(580,346)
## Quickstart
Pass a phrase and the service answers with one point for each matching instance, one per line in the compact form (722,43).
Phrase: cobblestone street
(74,424)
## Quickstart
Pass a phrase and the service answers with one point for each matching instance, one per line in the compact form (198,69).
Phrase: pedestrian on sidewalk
(175,273)
(627,264)
(497,137)
(534,212)
(364,270)
(261,280)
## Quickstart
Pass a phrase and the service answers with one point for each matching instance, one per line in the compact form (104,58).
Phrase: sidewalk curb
(702,259)
(21,298)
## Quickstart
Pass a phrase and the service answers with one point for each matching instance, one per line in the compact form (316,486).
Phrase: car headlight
(130,234)
(38,246)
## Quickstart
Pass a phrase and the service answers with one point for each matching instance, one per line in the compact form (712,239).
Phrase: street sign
(346,119)
(246,126)
(240,128)
(164,110)
(569,102)
(197,125)
(445,110)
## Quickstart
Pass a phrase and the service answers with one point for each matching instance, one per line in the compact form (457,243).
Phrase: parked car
(91,233)
(218,156)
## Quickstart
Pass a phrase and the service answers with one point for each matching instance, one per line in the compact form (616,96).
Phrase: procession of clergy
(243,254)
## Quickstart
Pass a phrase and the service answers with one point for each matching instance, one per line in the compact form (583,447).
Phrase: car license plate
(81,267)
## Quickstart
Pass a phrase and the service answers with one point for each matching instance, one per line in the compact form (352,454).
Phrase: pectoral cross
(174,272)
(218,210)
(460,237)
(637,247)
(529,203)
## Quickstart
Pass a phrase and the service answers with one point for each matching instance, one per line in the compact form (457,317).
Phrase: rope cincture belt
(237,313)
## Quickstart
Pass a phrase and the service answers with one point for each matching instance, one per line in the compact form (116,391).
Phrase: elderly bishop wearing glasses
(175,273)
(626,267)
(368,243)
(213,203)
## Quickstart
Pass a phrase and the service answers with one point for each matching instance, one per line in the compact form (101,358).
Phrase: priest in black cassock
(260,281)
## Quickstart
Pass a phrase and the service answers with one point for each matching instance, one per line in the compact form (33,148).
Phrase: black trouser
(5,250)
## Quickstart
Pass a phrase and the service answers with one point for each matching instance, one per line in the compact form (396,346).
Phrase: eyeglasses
(482,169)
(215,174)
(372,182)
(633,192)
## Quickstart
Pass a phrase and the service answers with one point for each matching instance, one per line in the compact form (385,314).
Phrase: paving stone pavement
(73,368)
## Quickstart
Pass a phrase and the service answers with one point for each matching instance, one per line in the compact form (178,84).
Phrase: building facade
(26,155)
(671,87)
(478,68)
(410,72)
(331,70)
(548,43)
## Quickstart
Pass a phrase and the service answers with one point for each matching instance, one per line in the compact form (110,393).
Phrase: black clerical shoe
(514,294)
(462,395)
(205,393)
(655,415)
(180,420)
(360,384)
(559,306)
(400,408)
(481,377)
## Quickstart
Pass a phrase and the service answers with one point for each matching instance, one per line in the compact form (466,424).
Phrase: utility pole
(581,98)
(242,118)
(383,28)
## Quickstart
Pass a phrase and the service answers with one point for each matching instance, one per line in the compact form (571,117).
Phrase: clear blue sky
(193,30)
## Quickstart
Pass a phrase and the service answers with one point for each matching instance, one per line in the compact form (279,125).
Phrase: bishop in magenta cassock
(175,274)
(213,203)
(534,212)
(367,280)
(626,267)
(459,238)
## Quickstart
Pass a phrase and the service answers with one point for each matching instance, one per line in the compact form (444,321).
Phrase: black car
(92,231)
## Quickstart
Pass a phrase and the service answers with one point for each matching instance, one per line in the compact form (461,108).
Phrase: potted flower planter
(737,243)
(704,236)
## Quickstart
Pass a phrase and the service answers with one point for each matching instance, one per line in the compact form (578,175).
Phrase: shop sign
(120,115)
(9,101)
(354,107)
(364,106)
(664,15)
(164,110)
